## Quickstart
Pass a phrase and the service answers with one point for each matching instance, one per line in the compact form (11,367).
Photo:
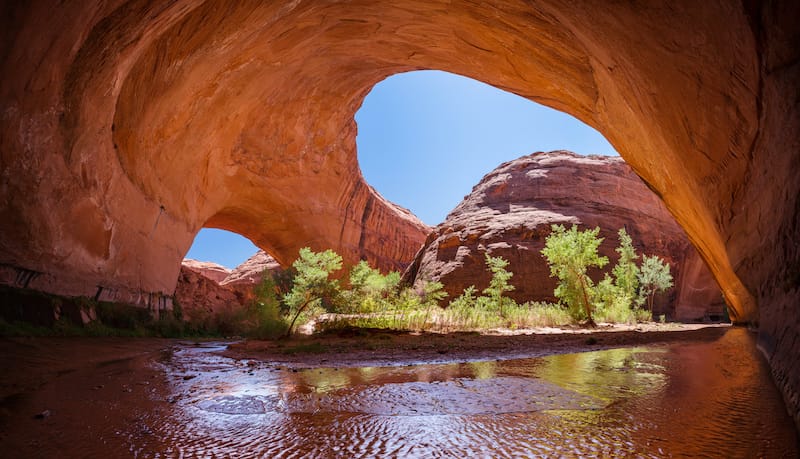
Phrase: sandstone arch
(128,125)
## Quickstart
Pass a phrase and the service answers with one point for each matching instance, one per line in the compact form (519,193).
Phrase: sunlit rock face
(208,288)
(245,277)
(213,271)
(510,212)
(129,125)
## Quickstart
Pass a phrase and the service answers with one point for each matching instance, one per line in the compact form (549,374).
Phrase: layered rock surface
(127,125)
(208,288)
(244,278)
(213,271)
(201,297)
(509,214)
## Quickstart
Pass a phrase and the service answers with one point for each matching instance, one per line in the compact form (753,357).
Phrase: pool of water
(678,400)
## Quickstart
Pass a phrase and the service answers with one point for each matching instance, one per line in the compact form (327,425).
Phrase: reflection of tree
(483,370)
(609,374)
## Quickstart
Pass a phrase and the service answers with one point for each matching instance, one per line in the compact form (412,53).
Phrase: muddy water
(712,399)
(678,400)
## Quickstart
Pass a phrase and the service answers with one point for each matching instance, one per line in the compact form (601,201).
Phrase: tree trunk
(587,307)
(299,311)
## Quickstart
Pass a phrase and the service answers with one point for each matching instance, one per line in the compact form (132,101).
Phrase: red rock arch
(127,126)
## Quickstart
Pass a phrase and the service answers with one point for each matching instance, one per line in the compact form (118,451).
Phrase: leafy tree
(266,310)
(312,284)
(626,273)
(433,292)
(370,290)
(570,253)
(654,276)
(499,283)
(465,300)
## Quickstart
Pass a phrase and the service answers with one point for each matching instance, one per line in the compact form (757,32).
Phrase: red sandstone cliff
(206,288)
(244,277)
(213,271)
(510,211)
(201,297)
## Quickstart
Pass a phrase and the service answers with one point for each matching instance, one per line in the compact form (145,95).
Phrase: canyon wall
(509,214)
(205,289)
(129,125)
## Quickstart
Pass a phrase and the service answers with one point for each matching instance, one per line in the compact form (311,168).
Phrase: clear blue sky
(425,138)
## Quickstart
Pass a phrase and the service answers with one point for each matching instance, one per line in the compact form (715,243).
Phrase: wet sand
(381,348)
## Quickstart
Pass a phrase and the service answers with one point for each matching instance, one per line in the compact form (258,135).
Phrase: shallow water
(693,399)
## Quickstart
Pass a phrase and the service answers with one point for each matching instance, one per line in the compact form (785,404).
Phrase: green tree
(312,284)
(370,289)
(465,300)
(570,253)
(626,273)
(654,276)
(266,310)
(499,283)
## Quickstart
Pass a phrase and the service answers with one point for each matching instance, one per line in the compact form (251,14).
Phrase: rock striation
(509,214)
(213,271)
(251,271)
(201,297)
(128,125)
(205,288)
(244,278)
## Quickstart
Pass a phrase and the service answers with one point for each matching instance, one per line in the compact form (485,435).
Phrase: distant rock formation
(213,271)
(201,297)
(509,214)
(247,275)
(208,288)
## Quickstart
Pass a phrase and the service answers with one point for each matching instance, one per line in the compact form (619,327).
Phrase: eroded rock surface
(129,125)
(201,298)
(208,288)
(244,278)
(213,271)
(510,212)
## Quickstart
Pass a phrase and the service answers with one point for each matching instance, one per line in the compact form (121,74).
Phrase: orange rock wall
(129,125)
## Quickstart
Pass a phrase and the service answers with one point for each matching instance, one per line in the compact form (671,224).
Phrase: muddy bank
(78,397)
(380,348)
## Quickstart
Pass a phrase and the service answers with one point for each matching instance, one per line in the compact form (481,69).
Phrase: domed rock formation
(128,125)
(213,271)
(510,211)
(209,288)
(247,275)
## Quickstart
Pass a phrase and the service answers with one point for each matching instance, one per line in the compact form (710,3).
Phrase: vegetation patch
(371,300)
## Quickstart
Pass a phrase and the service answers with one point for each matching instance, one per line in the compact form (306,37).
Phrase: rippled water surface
(694,399)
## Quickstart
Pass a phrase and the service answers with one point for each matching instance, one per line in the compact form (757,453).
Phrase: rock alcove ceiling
(129,125)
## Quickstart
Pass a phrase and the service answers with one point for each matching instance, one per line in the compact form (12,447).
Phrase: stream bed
(705,399)
(688,399)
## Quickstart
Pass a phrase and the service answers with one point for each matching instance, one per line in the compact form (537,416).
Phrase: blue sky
(425,138)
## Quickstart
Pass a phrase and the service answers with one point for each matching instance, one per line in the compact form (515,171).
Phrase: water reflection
(692,399)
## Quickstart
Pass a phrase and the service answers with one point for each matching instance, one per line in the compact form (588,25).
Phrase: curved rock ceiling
(129,125)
